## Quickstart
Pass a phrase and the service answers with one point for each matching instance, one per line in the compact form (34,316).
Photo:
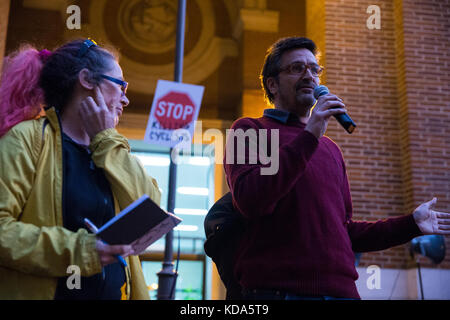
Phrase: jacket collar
(53,117)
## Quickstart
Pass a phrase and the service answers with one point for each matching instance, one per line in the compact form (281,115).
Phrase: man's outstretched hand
(430,221)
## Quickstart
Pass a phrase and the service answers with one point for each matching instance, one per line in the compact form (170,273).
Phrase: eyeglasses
(123,84)
(300,68)
(85,47)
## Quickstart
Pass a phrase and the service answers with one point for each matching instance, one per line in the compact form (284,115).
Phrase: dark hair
(60,72)
(272,61)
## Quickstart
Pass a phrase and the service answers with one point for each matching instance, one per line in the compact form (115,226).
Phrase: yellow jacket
(35,249)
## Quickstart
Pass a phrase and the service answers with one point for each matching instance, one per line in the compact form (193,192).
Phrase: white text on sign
(165,109)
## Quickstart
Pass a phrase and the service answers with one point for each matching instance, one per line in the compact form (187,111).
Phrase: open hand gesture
(430,221)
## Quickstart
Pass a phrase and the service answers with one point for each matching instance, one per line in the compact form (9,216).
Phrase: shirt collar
(280,115)
(277,114)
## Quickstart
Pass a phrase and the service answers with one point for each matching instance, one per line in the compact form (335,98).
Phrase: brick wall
(424,69)
(394,82)
(315,29)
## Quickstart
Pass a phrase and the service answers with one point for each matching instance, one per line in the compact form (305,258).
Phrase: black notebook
(140,224)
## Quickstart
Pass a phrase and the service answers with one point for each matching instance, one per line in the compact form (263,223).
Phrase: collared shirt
(277,114)
(282,116)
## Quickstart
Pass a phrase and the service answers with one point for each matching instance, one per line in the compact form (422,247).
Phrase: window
(194,196)
(191,284)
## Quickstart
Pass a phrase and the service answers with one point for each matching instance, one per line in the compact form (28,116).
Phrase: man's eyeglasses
(123,84)
(300,68)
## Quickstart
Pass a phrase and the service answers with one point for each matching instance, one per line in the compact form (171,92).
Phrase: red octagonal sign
(174,110)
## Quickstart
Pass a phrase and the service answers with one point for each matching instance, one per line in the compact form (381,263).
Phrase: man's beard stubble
(301,105)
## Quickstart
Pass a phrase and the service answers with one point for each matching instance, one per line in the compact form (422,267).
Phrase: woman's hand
(95,114)
(108,253)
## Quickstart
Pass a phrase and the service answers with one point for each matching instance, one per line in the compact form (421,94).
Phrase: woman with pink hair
(21,98)
(61,166)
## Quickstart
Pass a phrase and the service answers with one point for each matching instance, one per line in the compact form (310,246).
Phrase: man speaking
(300,237)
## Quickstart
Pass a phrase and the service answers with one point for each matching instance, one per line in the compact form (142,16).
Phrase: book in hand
(139,225)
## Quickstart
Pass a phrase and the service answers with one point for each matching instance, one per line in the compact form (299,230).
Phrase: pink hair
(21,98)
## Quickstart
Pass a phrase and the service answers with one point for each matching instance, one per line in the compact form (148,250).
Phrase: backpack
(224,228)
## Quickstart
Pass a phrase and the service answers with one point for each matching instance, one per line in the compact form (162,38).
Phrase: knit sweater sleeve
(256,193)
(377,235)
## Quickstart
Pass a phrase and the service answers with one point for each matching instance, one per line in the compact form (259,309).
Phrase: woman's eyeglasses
(123,84)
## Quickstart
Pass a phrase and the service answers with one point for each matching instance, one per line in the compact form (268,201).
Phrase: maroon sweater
(301,238)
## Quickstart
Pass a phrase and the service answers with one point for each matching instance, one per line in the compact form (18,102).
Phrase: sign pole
(167,277)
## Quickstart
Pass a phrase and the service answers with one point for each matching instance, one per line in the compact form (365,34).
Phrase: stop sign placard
(174,110)
(173,114)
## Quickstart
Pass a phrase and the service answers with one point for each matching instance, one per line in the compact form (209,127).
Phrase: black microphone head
(320,91)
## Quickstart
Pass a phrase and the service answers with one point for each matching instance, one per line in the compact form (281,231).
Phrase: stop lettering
(174,110)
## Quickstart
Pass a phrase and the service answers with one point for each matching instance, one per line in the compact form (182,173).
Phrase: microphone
(342,118)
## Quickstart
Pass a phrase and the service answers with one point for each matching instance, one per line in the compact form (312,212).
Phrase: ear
(85,79)
(272,85)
